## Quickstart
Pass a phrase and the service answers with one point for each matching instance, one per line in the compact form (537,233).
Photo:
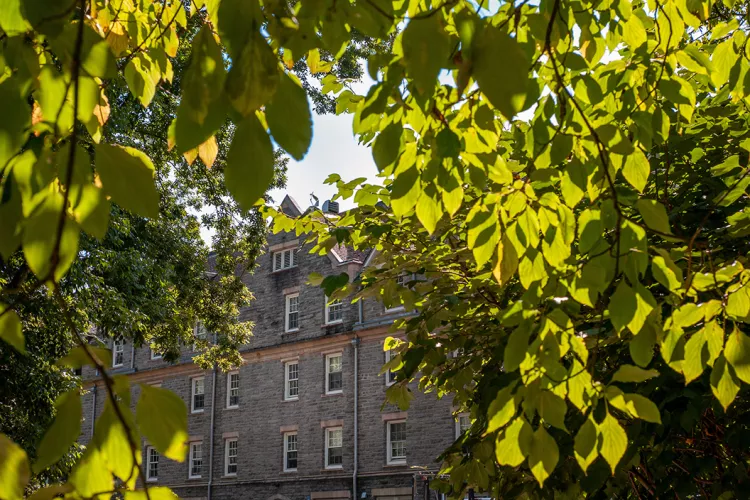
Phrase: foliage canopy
(579,275)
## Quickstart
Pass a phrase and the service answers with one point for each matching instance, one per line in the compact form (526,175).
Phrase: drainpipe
(93,412)
(132,356)
(211,438)
(355,343)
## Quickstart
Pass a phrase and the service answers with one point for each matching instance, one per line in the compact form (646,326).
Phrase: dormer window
(284,259)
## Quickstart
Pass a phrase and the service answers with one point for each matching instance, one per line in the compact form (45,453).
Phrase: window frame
(118,347)
(286,451)
(287,393)
(328,431)
(459,432)
(390,375)
(292,259)
(154,355)
(338,302)
(204,336)
(229,389)
(227,456)
(328,372)
(287,304)
(193,383)
(149,477)
(192,458)
(390,460)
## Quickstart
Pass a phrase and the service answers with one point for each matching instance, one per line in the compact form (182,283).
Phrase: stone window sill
(332,394)
(403,464)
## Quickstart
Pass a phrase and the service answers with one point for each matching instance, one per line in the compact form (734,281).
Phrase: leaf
(140,79)
(654,214)
(429,210)
(154,493)
(50,492)
(636,169)
(630,309)
(515,349)
(612,441)
(737,354)
(16,116)
(250,165)
(501,410)
(641,347)
(162,417)
(543,456)
(695,360)
(12,20)
(630,373)
(289,118)
(204,77)
(208,151)
(254,76)
(77,357)
(427,48)
(127,176)
(111,439)
(386,147)
(724,384)
(10,329)
(585,445)
(483,232)
(90,475)
(552,409)
(635,405)
(501,70)
(63,432)
(14,469)
(514,443)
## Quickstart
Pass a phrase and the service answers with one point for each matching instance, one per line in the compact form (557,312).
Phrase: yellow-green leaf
(501,410)
(612,441)
(250,165)
(737,354)
(543,455)
(585,446)
(654,214)
(514,443)
(289,118)
(63,432)
(14,469)
(724,383)
(162,417)
(630,373)
(128,176)
(10,328)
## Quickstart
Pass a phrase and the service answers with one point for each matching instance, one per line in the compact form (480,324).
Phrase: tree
(557,253)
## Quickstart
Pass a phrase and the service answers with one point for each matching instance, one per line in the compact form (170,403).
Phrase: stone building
(303,417)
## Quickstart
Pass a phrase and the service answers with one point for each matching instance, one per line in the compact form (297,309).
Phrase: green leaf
(514,443)
(654,215)
(724,383)
(636,169)
(111,438)
(628,308)
(427,48)
(666,272)
(14,469)
(50,492)
(162,417)
(288,116)
(543,456)
(696,356)
(641,347)
(92,211)
(630,373)
(16,114)
(77,357)
(612,441)
(635,405)
(91,475)
(585,445)
(127,175)
(429,210)
(10,329)
(154,493)
(501,410)
(737,354)
(552,409)
(204,78)
(515,349)
(633,33)
(406,189)
(12,20)
(501,70)
(738,304)
(249,169)
(254,76)
(63,432)
(483,232)
(140,77)
(386,147)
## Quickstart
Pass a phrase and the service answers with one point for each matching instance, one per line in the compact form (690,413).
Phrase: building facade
(303,417)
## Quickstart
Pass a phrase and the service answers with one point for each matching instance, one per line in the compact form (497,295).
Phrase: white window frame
(328,372)
(390,459)
(292,252)
(287,312)
(227,456)
(202,336)
(338,302)
(286,450)
(459,432)
(193,383)
(192,458)
(329,430)
(287,394)
(118,347)
(149,477)
(154,354)
(229,389)
(390,375)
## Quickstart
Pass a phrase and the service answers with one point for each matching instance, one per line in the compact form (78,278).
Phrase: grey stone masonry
(321,416)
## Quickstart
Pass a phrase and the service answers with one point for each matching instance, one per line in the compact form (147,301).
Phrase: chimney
(330,207)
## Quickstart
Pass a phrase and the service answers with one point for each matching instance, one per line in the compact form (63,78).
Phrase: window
(230,457)
(284,259)
(463,424)
(390,377)
(334,448)
(292,312)
(233,389)
(155,354)
(334,377)
(201,333)
(291,380)
(290,451)
(152,464)
(118,351)
(334,311)
(196,460)
(199,394)
(397,442)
